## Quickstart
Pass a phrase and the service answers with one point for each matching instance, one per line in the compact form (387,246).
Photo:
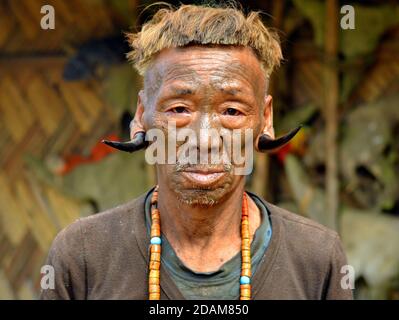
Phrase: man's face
(205,88)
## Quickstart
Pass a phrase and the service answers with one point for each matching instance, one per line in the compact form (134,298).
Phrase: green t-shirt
(223,283)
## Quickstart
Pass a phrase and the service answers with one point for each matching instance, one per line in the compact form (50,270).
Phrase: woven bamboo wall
(41,115)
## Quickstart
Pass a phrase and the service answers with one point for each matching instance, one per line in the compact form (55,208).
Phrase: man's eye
(232,112)
(179,110)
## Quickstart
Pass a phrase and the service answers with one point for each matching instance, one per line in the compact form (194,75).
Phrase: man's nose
(208,133)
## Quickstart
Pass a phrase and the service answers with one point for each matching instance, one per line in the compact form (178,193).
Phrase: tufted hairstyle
(205,25)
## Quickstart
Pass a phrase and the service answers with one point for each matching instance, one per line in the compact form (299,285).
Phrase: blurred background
(63,90)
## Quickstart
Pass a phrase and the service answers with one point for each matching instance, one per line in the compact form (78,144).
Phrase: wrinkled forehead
(211,67)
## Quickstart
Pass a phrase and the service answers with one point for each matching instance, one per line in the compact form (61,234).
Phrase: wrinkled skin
(219,87)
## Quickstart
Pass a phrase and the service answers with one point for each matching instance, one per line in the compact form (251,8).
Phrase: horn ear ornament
(265,143)
(138,142)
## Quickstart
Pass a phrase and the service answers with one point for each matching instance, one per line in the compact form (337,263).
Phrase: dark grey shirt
(219,284)
(105,256)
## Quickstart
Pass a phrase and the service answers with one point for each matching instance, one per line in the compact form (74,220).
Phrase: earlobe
(268,117)
(266,141)
(137,124)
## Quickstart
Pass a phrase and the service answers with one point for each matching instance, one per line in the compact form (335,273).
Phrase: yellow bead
(154,288)
(245,293)
(245,253)
(155,296)
(246,242)
(154,274)
(245,235)
(153,281)
(246,272)
(246,259)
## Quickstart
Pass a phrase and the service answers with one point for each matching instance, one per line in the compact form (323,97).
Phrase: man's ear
(137,124)
(266,140)
(268,117)
(268,128)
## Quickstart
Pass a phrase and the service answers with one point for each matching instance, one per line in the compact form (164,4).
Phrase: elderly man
(198,234)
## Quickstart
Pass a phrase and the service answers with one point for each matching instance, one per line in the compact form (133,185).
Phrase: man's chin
(201,197)
(204,192)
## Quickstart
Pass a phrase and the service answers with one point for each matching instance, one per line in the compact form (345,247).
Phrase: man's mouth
(204,176)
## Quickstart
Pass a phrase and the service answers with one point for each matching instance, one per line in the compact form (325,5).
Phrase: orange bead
(245,253)
(245,286)
(155,256)
(155,233)
(246,259)
(245,292)
(155,248)
(155,265)
(155,214)
(246,265)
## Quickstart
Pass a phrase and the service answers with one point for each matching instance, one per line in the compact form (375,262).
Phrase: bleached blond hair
(204,25)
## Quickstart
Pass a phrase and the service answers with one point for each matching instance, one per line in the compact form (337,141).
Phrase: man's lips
(204,170)
(203,177)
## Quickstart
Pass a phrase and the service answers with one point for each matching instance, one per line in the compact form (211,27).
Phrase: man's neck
(204,237)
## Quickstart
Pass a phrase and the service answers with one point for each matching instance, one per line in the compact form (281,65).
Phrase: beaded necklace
(154,287)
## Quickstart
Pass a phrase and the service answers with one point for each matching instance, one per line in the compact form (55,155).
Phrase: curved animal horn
(138,142)
(265,143)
